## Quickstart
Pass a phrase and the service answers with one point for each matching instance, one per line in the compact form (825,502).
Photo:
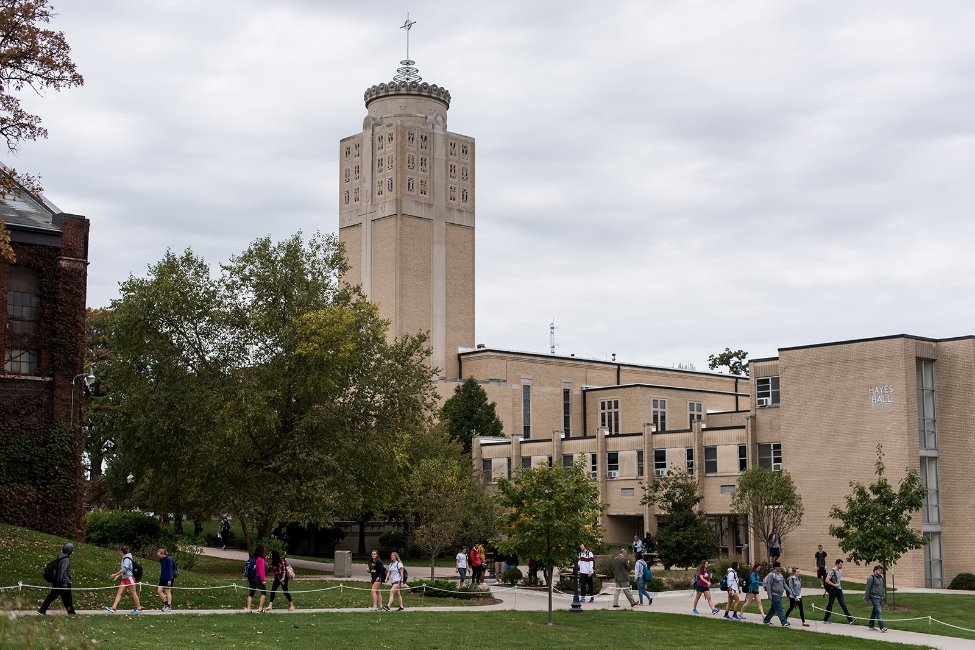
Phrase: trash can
(343,564)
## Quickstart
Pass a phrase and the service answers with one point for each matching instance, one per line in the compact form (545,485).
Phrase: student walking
(821,567)
(461,565)
(127,573)
(731,578)
(775,548)
(586,565)
(775,588)
(621,574)
(876,590)
(377,574)
(282,572)
(167,574)
(754,584)
(61,586)
(256,578)
(641,572)
(477,565)
(702,586)
(793,589)
(395,573)
(834,585)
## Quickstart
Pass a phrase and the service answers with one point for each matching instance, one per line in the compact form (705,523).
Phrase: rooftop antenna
(552,329)
(407,71)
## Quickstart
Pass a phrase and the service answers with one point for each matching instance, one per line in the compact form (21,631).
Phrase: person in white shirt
(640,573)
(461,565)
(731,609)
(587,566)
(395,574)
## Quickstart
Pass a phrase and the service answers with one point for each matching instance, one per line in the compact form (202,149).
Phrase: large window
(566,411)
(689,459)
(742,458)
(926,422)
(659,462)
(710,460)
(487,465)
(770,455)
(23,314)
(695,412)
(929,477)
(526,462)
(767,391)
(612,464)
(21,362)
(567,460)
(526,410)
(639,462)
(609,415)
(659,414)
(933,570)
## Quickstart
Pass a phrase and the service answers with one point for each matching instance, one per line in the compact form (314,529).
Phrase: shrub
(965,581)
(441,588)
(566,585)
(186,551)
(604,565)
(512,576)
(392,540)
(134,529)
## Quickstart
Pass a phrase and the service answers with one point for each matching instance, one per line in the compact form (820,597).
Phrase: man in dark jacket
(874,594)
(62,582)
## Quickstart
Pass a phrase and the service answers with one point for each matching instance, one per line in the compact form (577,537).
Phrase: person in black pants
(821,567)
(834,585)
(61,587)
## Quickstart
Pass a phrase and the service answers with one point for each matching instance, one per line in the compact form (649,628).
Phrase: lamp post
(130,482)
(89,379)
(575,607)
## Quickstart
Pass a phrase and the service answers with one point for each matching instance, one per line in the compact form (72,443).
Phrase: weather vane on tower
(407,71)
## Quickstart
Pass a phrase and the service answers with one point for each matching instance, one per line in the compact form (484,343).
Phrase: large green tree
(875,526)
(468,414)
(34,58)
(545,514)
(770,502)
(684,536)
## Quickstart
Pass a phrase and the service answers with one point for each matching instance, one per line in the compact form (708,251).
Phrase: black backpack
(829,576)
(406,575)
(51,570)
(136,571)
(175,568)
(250,569)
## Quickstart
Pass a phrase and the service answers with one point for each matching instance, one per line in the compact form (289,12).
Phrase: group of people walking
(379,574)
(473,561)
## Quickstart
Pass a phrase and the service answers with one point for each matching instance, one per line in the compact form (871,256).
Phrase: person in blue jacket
(754,584)
(166,577)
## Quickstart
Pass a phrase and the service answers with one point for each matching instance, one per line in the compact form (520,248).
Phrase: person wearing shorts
(702,586)
(126,573)
(259,581)
(753,587)
(395,575)
(377,573)
(166,577)
(731,609)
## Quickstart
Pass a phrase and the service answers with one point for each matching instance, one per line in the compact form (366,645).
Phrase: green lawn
(447,630)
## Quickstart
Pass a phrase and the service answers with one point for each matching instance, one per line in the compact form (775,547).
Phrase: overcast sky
(663,178)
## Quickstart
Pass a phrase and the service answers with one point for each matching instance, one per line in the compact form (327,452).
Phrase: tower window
(355,195)
(411,162)
(410,185)
(463,150)
(453,193)
(423,187)
(463,196)
(348,152)
(348,174)
(389,184)
(411,137)
(355,173)
(346,197)
(380,186)
(424,141)
(464,174)
(423,163)
(453,149)
(380,143)
(452,170)
(389,163)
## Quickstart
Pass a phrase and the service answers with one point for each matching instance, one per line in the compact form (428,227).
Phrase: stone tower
(406,215)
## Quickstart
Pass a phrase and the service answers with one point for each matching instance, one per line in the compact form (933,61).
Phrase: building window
(695,412)
(23,301)
(526,410)
(464,174)
(566,411)
(689,459)
(411,162)
(933,570)
(770,455)
(423,188)
(639,462)
(410,185)
(355,195)
(509,467)
(346,196)
(21,362)
(659,462)
(612,464)
(742,458)
(929,477)
(567,460)
(348,152)
(389,164)
(355,173)
(549,462)
(659,415)
(593,466)
(389,185)
(379,165)
(728,489)
(348,174)
(452,170)
(526,462)
(926,421)
(453,149)
(767,391)
(380,143)
(609,415)
(628,492)
(423,163)
(710,460)
(463,196)
(424,142)
(486,469)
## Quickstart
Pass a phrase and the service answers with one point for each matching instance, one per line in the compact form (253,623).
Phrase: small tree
(546,513)
(468,413)
(684,537)
(876,525)
(770,502)
(736,361)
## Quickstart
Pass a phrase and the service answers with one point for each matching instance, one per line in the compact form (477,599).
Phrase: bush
(441,588)
(136,530)
(186,551)
(566,585)
(512,576)
(392,540)
(965,581)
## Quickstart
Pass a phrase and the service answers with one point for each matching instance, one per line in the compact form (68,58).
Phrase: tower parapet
(396,88)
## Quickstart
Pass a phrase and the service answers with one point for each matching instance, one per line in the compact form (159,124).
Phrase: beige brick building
(406,205)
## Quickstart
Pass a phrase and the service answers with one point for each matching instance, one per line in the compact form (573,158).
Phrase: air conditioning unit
(762,402)
(593,475)
(777,467)
(660,471)
(704,424)
(612,474)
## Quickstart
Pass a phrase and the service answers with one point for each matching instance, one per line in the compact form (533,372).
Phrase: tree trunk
(433,564)
(362,538)
(197,527)
(246,530)
(551,587)
(178,523)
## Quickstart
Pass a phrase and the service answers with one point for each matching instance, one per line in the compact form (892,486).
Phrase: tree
(468,413)
(97,409)
(30,57)
(546,513)
(736,361)
(876,527)
(770,503)
(684,537)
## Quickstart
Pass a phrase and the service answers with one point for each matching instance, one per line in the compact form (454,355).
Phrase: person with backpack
(774,584)
(128,573)
(874,594)
(730,584)
(702,586)
(752,587)
(793,589)
(641,571)
(587,566)
(58,573)
(282,576)
(834,585)
(256,578)
(224,533)
(377,573)
(397,575)
(167,573)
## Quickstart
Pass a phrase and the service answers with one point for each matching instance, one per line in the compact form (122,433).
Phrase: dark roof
(19,207)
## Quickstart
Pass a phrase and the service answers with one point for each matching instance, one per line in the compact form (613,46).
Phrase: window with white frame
(593,466)
(710,460)
(659,414)
(695,412)
(487,466)
(526,410)
(567,460)
(767,390)
(609,415)
(659,462)
(742,458)
(612,463)
(933,568)
(770,455)
(639,462)
(927,423)
(929,477)
(689,459)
